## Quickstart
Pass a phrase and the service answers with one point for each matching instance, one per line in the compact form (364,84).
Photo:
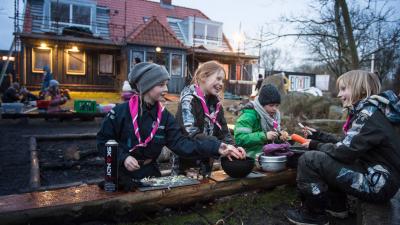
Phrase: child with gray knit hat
(145,75)
(141,136)
(259,123)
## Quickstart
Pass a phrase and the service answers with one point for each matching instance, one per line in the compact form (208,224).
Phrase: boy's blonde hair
(207,69)
(361,83)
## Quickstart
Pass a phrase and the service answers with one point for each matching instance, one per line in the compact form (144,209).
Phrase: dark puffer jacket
(373,138)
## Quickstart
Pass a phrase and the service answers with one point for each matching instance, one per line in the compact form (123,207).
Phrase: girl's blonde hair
(361,83)
(207,69)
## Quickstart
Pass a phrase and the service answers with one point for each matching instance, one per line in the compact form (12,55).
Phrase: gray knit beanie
(145,75)
(269,94)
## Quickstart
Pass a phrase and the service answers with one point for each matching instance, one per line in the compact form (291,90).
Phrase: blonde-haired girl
(200,114)
(365,163)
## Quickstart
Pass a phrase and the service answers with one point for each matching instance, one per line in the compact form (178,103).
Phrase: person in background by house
(47,77)
(364,164)
(259,82)
(12,94)
(142,127)
(259,122)
(201,116)
(127,91)
(57,98)
(27,96)
(137,60)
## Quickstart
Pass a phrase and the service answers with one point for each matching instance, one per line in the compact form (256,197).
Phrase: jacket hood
(388,102)
(190,90)
(248,105)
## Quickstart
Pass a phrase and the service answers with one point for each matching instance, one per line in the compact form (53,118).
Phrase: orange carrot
(298,138)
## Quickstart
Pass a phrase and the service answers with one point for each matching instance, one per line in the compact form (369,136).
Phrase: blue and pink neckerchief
(213,118)
(133,109)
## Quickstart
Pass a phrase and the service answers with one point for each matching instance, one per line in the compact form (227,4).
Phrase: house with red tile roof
(93,44)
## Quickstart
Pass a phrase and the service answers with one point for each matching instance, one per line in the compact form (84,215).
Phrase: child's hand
(230,150)
(272,135)
(308,131)
(306,144)
(131,164)
(284,136)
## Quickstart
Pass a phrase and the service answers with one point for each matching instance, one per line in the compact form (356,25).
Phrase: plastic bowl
(237,168)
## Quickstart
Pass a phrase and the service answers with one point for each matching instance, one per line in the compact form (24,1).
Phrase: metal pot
(272,163)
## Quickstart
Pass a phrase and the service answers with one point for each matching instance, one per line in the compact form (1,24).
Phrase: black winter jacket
(371,140)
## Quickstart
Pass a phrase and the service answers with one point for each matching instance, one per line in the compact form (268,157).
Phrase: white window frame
(204,41)
(71,3)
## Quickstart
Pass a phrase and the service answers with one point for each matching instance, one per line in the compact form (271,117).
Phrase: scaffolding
(15,45)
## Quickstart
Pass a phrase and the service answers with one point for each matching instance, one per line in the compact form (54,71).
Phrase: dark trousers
(318,173)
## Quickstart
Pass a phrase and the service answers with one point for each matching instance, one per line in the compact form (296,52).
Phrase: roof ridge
(156,20)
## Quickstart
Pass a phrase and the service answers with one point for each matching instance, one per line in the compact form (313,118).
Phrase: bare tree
(269,58)
(274,59)
(344,36)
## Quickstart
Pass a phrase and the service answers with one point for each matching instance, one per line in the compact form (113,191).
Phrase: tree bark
(349,33)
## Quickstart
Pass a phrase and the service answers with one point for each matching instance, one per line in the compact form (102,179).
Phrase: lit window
(41,58)
(106,64)
(76,63)
(176,69)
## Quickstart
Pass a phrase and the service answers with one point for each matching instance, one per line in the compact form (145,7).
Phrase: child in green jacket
(259,122)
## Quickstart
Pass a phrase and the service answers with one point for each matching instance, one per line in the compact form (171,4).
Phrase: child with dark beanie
(259,122)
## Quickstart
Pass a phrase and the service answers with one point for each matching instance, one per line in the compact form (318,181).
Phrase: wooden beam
(35,171)
(47,137)
(89,201)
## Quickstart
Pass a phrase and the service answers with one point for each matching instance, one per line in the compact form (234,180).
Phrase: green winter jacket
(248,132)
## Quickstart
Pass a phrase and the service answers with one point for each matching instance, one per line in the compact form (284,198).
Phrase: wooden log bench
(89,201)
(379,214)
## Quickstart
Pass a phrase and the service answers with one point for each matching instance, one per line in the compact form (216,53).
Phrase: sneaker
(341,214)
(303,217)
(338,208)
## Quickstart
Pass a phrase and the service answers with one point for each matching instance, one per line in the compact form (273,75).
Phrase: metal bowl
(273,163)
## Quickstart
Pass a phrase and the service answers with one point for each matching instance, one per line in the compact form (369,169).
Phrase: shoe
(338,214)
(337,207)
(304,217)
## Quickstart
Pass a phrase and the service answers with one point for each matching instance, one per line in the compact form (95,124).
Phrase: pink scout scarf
(346,125)
(213,118)
(133,109)
(275,124)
